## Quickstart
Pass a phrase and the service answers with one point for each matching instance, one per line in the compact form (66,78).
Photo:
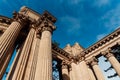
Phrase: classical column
(6,60)
(97,71)
(32,62)
(13,66)
(65,73)
(114,62)
(83,70)
(44,62)
(9,36)
(91,74)
(23,59)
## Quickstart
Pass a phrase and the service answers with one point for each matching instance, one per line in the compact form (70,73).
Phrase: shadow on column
(65,77)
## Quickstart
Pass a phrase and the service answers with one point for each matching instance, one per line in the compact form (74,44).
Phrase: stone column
(114,62)
(32,62)
(9,36)
(65,73)
(44,62)
(83,70)
(13,66)
(6,60)
(91,74)
(97,71)
(23,60)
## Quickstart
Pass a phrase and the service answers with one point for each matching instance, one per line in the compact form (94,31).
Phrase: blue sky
(83,21)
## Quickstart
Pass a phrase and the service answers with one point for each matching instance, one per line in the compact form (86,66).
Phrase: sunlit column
(9,36)
(44,62)
(114,62)
(97,70)
(32,62)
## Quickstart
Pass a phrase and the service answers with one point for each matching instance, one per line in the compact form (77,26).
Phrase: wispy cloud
(112,18)
(100,3)
(71,24)
(100,36)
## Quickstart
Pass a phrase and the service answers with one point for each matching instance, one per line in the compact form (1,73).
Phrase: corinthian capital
(93,61)
(46,26)
(107,53)
(20,18)
(64,64)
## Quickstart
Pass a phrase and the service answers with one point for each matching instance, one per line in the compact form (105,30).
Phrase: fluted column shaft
(9,37)
(65,73)
(97,70)
(114,62)
(32,62)
(22,62)
(7,40)
(13,66)
(44,63)
(6,60)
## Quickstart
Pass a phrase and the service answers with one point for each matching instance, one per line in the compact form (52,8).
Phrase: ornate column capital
(20,18)
(64,65)
(46,25)
(79,58)
(93,61)
(107,53)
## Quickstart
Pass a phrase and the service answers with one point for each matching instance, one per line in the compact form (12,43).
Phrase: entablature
(102,45)
(61,54)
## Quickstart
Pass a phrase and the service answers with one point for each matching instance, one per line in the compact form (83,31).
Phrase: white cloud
(100,3)
(100,36)
(72,24)
(112,18)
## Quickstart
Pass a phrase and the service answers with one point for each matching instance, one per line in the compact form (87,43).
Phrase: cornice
(5,20)
(102,41)
(61,54)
